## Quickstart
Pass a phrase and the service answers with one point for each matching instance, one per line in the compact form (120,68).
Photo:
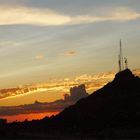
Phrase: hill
(112,111)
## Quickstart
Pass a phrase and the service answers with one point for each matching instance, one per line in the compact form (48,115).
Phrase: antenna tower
(121,64)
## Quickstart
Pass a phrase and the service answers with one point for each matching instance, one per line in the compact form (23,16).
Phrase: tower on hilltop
(121,59)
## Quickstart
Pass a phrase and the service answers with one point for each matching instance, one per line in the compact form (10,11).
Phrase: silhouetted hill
(112,109)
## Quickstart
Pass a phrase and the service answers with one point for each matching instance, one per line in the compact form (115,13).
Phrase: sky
(43,40)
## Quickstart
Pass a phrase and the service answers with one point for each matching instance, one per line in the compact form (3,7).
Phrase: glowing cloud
(124,14)
(92,82)
(70,53)
(39,57)
(48,17)
(32,16)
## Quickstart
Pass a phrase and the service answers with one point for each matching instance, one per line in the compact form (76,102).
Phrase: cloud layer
(92,82)
(76,93)
(49,17)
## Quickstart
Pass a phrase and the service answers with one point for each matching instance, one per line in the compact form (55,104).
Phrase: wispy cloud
(92,82)
(8,43)
(49,17)
(70,53)
(32,16)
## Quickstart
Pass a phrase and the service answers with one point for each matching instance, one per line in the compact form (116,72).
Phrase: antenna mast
(121,64)
(121,60)
(126,63)
(121,54)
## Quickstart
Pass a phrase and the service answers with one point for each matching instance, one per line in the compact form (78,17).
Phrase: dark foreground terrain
(111,112)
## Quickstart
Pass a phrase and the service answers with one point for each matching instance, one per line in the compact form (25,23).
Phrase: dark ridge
(124,76)
(115,106)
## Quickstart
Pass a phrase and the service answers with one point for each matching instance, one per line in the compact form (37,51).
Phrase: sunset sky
(46,40)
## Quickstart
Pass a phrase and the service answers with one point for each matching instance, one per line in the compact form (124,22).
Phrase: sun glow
(29,117)
(49,17)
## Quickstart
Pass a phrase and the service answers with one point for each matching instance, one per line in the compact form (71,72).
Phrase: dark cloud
(76,93)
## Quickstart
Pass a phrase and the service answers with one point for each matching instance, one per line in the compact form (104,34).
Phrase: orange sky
(30,117)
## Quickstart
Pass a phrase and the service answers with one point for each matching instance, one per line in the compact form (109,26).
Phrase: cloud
(76,93)
(9,43)
(32,16)
(92,82)
(48,17)
(36,107)
(124,14)
(70,53)
(39,57)
(137,72)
